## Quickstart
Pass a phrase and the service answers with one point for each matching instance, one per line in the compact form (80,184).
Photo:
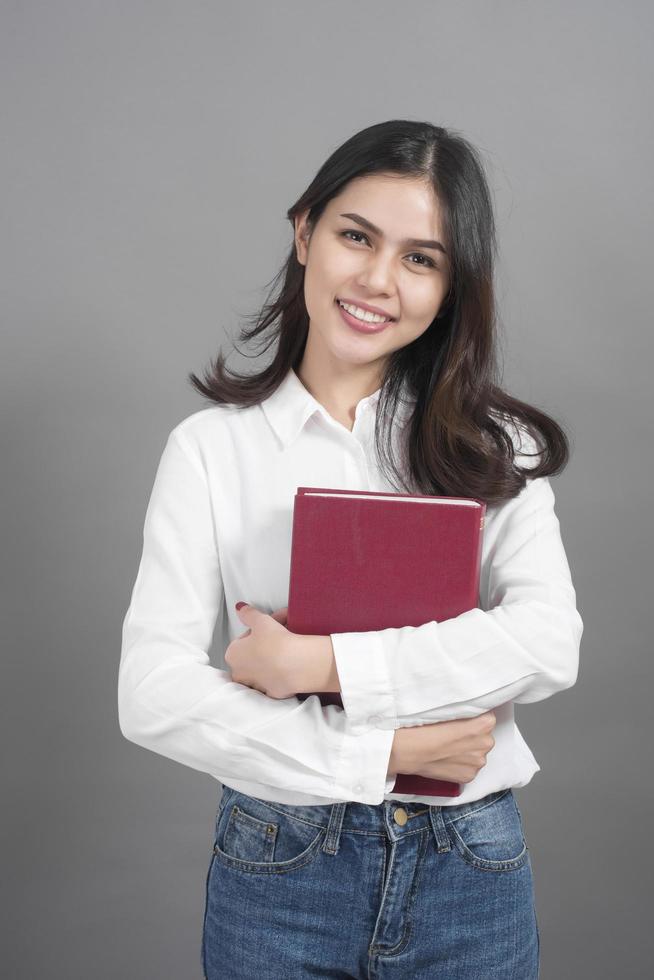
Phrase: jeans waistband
(391,818)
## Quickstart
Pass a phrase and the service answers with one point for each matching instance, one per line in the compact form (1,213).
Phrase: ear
(302,237)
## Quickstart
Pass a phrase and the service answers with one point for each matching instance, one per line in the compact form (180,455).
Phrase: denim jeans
(350,890)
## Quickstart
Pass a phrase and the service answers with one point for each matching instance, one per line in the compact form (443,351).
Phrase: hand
(453,750)
(263,657)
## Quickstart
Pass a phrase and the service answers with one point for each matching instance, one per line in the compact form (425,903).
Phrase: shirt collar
(291,405)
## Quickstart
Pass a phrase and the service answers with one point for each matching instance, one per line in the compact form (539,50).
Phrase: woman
(384,326)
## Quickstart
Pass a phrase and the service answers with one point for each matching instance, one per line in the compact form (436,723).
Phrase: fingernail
(239,604)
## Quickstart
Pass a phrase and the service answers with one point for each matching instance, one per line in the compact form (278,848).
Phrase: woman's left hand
(265,657)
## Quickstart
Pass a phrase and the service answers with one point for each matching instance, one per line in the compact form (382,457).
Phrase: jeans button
(400,816)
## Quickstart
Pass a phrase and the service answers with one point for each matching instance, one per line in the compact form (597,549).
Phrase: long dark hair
(458,440)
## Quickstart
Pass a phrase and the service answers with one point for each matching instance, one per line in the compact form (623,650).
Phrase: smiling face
(346,259)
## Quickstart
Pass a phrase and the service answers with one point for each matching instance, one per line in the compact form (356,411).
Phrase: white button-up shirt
(218,530)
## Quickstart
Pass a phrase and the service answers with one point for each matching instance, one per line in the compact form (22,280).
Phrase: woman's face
(346,259)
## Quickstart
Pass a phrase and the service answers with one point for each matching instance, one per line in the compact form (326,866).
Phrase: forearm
(314,666)
(520,644)
(394,763)
(314,670)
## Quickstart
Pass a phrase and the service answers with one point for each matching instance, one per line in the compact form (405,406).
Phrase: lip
(366,306)
(360,325)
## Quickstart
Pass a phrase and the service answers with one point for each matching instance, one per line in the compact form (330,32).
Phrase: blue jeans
(350,890)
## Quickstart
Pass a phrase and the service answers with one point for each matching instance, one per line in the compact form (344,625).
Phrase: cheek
(424,310)
(419,307)
(430,300)
(313,292)
(407,333)
(332,269)
(421,296)
(321,278)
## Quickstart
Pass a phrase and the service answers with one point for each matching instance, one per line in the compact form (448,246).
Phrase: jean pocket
(255,837)
(489,835)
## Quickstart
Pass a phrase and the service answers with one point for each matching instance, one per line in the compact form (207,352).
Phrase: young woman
(383,377)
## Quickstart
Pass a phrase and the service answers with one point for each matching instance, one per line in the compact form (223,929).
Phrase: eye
(350,231)
(429,263)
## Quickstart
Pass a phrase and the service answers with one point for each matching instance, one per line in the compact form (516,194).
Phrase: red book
(362,560)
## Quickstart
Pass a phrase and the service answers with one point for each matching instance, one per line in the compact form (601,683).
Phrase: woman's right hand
(452,750)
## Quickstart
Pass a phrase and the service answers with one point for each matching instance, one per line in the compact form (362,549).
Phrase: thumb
(244,609)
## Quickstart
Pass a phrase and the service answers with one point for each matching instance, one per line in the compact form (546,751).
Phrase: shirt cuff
(365,682)
(362,768)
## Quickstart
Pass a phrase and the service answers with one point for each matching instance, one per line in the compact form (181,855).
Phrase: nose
(376,276)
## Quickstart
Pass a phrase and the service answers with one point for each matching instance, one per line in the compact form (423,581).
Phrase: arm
(172,701)
(522,645)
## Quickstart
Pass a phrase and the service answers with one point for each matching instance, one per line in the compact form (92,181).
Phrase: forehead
(402,207)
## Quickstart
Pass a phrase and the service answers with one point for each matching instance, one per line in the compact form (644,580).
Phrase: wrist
(394,765)
(316,666)
(400,759)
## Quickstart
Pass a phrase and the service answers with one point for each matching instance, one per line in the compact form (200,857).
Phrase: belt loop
(332,837)
(443,842)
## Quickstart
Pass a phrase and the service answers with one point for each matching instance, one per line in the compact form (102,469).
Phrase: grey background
(150,152)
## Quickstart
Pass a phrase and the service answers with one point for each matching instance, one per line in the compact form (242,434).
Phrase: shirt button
(400,816)
(359,788)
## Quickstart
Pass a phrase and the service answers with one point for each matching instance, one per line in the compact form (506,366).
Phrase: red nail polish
(239,604)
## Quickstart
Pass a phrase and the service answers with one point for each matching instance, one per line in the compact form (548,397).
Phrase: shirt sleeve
(521,644)
(171,699)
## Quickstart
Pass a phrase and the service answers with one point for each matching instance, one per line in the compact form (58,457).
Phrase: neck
(338,387)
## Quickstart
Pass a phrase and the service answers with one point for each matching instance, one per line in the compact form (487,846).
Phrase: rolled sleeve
(173,701)
(363,767)
(365,680)
(521,644)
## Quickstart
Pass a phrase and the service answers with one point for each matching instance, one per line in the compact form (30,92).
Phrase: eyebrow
(419,242)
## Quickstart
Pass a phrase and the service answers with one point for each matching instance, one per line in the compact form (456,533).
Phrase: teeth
(363,314)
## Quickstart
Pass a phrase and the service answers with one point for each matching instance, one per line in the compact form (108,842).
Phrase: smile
(364,315)
(362,321)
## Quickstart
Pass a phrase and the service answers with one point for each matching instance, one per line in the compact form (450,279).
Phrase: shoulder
(218,432)
(204,423)
(207,427)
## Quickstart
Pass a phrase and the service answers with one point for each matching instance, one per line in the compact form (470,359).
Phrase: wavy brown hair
(458,437)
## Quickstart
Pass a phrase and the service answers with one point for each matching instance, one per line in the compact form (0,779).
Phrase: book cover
(362,560)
